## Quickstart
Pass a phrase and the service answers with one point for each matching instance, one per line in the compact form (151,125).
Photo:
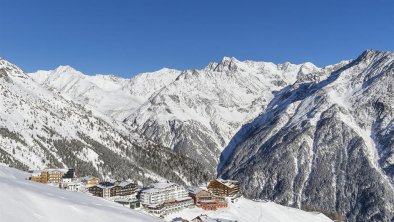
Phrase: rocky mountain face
(39,128)
(195,112)
(324,145)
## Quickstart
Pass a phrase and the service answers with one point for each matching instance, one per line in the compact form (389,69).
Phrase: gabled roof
(228,183)
(123,183)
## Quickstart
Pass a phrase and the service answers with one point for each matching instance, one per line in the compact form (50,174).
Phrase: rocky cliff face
(324,145)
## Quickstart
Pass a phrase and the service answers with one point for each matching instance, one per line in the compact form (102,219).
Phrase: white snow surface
(113,96)
(23,200)
(244,210)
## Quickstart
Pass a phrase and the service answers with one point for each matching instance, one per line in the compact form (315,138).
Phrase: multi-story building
(48,175)
(55,175)
(90,181)
(170,206)
(40,176)
(71,184)
(123,189)
(224,188)
(159,193)
(206,200)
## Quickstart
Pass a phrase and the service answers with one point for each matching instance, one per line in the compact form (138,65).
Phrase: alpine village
(157,199)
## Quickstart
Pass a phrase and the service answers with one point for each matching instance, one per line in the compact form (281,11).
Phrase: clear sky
(128,37)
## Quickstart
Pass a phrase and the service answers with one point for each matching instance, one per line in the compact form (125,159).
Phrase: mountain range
(303,136)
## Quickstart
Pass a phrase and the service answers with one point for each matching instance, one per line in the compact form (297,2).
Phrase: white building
(170,206)
(161,192)
(72,184)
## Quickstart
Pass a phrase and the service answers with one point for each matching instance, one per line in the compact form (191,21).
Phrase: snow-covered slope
(325,145)
(39,128)
(113,96)
(194,112)
(200,111)
(244,210)
(23,200)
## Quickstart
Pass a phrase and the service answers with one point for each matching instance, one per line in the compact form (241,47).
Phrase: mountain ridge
(276,127)
(331,128)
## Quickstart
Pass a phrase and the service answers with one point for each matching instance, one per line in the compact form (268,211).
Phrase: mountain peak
(227,64)
(65,69)
(372,53)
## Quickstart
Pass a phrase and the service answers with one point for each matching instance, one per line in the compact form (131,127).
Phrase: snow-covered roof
(183,199)
(104,187)
(194,190)
(123,183)
(162,185)
(59,170)
(36,173)
(157,187)
(228,183)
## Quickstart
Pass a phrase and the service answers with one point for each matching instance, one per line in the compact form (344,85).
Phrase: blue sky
(128,37)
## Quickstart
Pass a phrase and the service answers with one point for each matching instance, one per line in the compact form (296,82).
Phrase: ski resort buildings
(164,198)
(49,175)
(224,188)
(160,192)
(206,200)
(170,206)
(126,189)
(90,181)
(159,199)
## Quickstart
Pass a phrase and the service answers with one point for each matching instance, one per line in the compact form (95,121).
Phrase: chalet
(159,193)
(40,176)
(48,175)
(224,188)
(117,189)
(206,200)
(102,189)
(198,194)
(55,175)
(125,188)
(212,204)
(90,181)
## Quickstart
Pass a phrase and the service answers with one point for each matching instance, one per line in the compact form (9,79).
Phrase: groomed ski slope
(244,210)
(23,200)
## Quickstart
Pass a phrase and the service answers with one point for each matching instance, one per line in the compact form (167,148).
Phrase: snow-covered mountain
(113,96)
(324,145)
(39,128)
(23,200)
(314,138)
(194,112)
